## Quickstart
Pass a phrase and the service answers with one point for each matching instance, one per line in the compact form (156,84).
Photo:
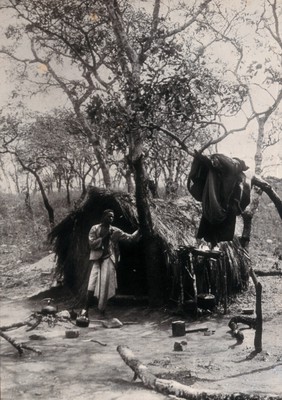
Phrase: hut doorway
(131,274)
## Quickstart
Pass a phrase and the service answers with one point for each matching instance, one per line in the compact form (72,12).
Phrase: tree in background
(251,57)
(262,76)
(267,76)
(49,149)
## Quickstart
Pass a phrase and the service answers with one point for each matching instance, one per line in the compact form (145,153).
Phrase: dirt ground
(82,369)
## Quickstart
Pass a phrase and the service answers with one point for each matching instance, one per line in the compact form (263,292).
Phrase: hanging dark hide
(220,184)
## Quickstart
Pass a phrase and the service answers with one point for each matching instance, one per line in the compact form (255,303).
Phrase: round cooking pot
(82,322)
(49,309)
(206,301)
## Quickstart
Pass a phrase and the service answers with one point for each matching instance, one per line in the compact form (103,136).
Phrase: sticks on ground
(12,326)
(18,346)
(36,323)
(24,323)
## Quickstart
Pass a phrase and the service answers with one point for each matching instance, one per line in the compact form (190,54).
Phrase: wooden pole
(258,334)
(223,269)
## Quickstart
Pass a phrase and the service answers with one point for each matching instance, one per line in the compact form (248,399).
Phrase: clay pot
(82,322)
(206,301)
(47,310)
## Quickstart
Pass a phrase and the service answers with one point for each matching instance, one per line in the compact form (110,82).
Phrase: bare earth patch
(81,368)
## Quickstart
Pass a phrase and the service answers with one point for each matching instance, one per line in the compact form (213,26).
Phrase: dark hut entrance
(131,274)
(70,238)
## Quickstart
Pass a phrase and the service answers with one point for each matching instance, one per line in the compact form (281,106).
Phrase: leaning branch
(174,137)
(226,133)
(266,187)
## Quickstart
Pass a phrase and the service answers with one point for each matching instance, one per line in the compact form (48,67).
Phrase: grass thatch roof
(175,224)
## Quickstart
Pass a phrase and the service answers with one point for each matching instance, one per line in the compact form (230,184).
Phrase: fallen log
(139,369)
(18,346)
(170,387)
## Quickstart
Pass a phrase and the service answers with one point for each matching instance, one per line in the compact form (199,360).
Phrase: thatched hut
(185,271)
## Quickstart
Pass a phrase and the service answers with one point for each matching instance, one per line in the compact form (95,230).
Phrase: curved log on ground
(251,322)
(170,387)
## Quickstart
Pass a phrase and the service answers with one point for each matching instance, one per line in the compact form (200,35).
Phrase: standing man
(104,253)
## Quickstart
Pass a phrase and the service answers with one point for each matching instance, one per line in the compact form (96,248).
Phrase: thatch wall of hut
(175,224)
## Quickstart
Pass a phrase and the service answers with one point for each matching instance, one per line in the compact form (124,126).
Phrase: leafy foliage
(173,90)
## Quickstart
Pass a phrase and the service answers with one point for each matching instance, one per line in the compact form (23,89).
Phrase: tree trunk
(258,155)
(104,167)
(98,151)
(59,183)
(129,183)
(151,244)
(68,192)
(47,205)
(15,178)
(256,194)
(130,64)
(83,185)
(27,198)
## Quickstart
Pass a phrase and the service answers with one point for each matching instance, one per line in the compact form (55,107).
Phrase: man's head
(108,216)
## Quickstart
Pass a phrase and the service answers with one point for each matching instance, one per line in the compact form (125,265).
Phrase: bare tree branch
(266,187)
(182,28)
